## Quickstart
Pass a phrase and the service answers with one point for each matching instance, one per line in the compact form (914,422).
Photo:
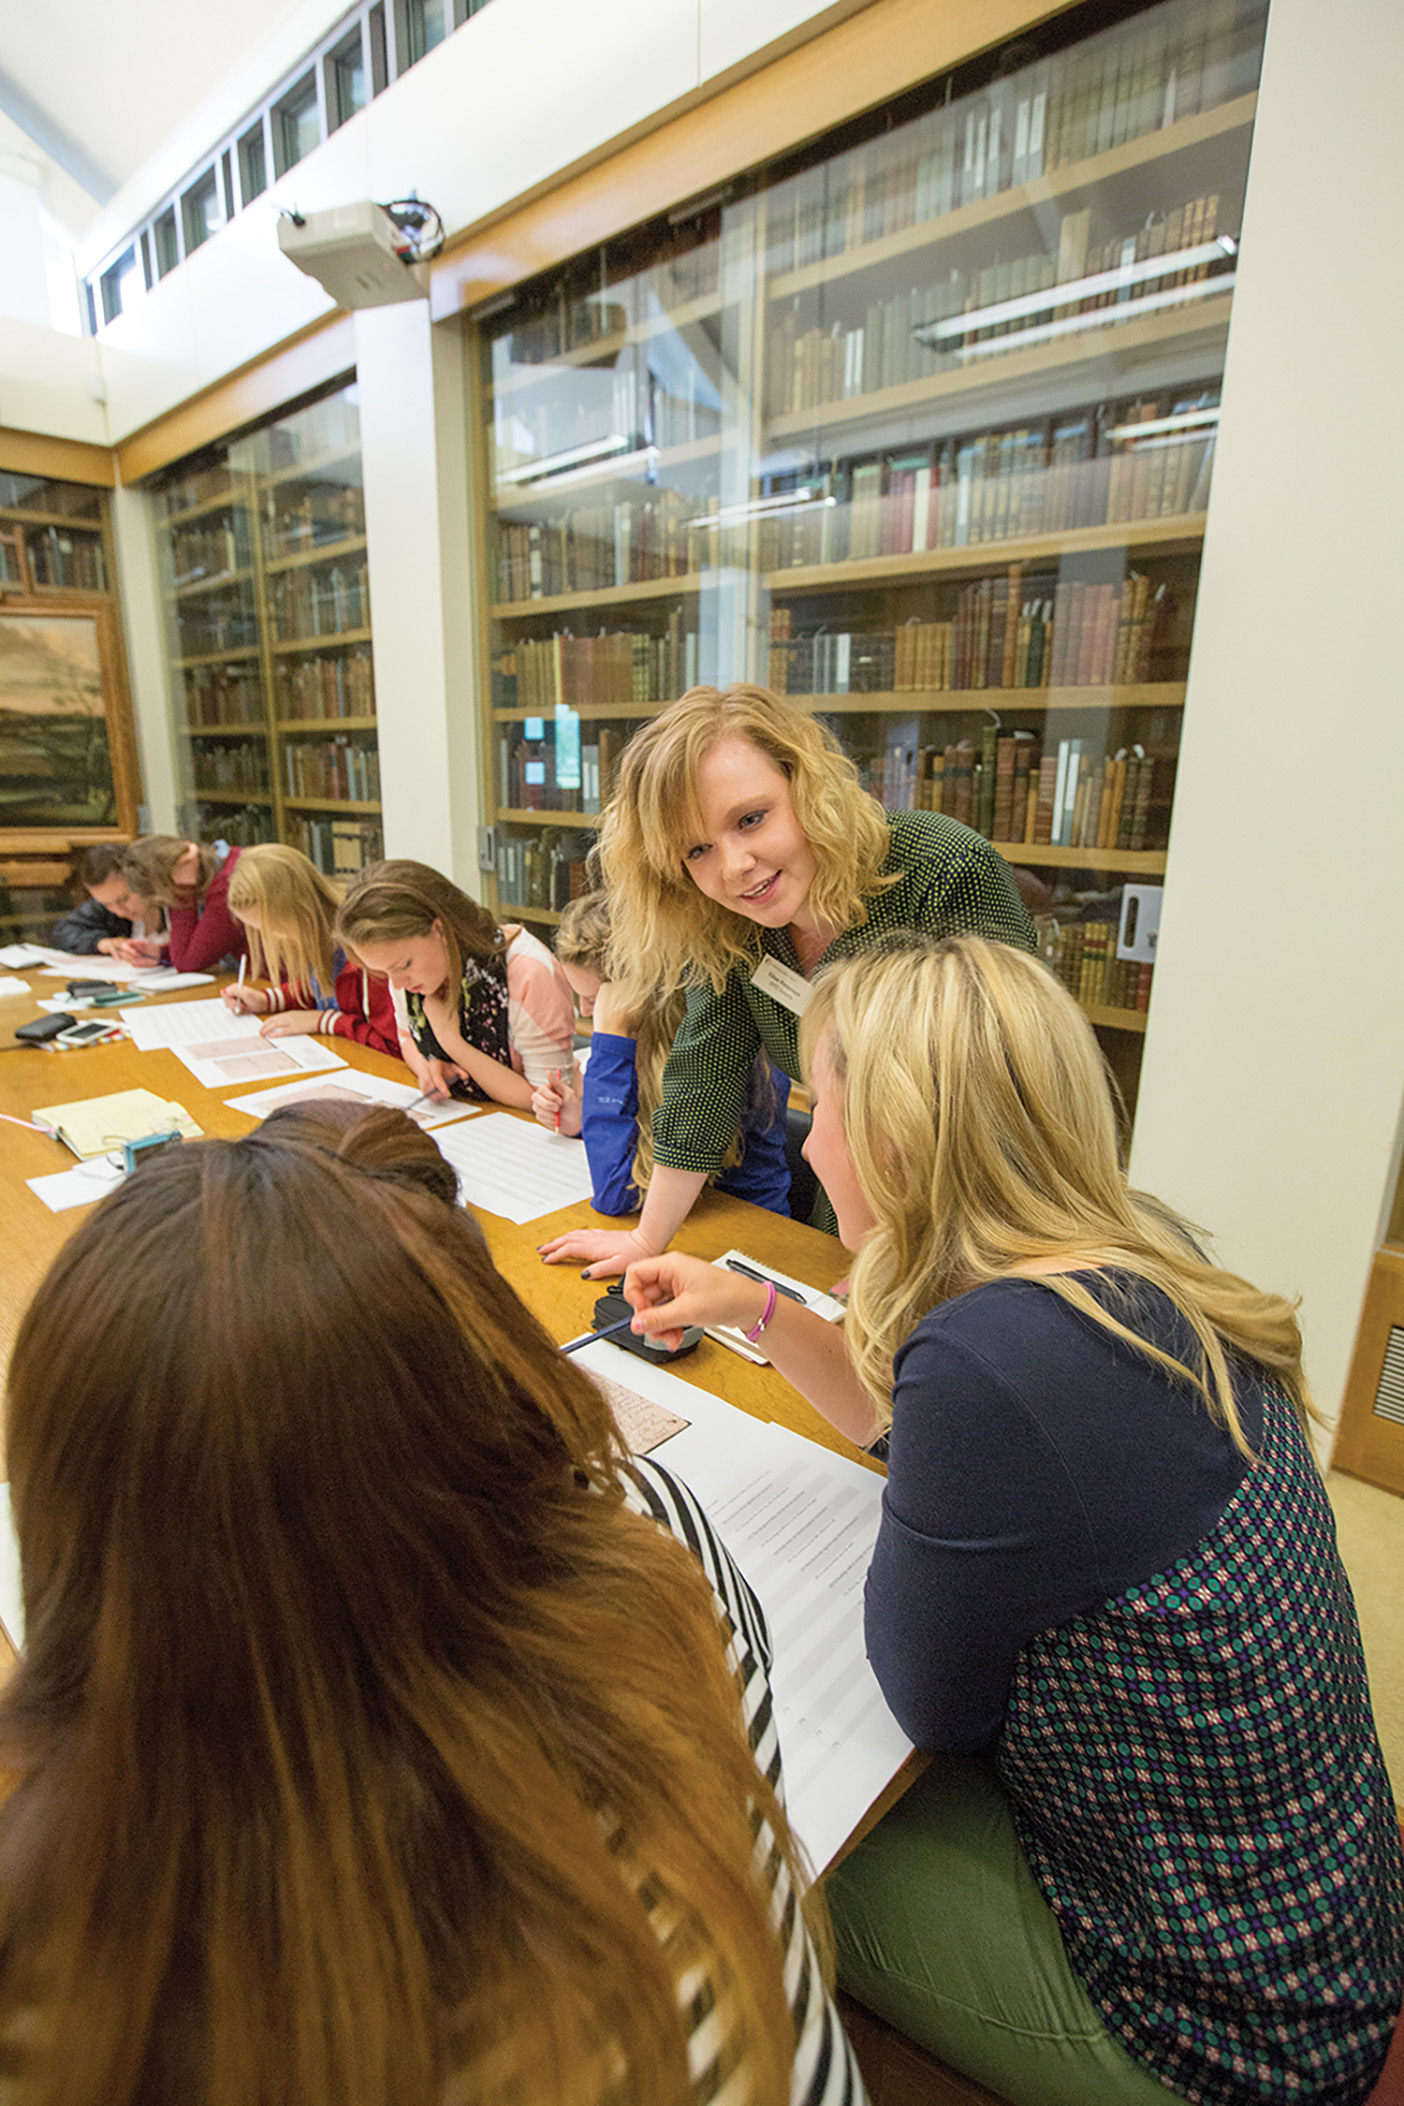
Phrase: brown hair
(375,1138)
(667,932)
(399,899)
(150,860)
(361,1727)
(978,1113)
(96,865)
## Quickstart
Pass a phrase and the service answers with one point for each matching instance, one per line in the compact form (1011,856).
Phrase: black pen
(765,1280)
(589,1337)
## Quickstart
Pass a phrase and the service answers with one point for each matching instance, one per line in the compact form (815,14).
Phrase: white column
(415,464)
(1271,1096)
(140,583)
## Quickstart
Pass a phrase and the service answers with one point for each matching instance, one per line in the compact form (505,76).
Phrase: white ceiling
(99,86)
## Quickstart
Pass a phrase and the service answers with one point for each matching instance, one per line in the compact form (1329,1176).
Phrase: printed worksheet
(517,1170)
(359,1088)
(221,1049)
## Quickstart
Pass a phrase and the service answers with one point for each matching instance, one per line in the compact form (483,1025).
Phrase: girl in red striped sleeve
(288,907)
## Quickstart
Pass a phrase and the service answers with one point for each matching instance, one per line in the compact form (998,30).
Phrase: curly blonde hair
(979,1117)
(667,933)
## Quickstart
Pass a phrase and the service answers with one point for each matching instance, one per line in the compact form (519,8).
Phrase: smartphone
(85,1034)
(42,1028)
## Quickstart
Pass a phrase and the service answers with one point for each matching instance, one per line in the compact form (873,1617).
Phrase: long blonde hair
(668,933)
(296,908)
(583,938)
(365,1743)
(980,1122)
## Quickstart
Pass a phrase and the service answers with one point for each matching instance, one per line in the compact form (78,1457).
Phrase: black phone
(45,1027)
(612,1308)
(87,987)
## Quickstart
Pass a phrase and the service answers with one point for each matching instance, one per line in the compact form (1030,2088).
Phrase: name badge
(791,990)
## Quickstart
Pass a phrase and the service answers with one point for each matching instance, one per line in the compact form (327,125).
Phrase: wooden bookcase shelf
(978,561)
(283,547)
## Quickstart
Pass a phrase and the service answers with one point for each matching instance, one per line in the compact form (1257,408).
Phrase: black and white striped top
(825,2072)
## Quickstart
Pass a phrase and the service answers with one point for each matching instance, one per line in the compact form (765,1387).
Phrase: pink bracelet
(765,1315)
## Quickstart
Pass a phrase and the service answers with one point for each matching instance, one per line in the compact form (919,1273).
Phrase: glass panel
(167,243)
(419,26)
(263,556)
(120,285)
(32,493)
(253,168)
(55,768)
(296,125)
(920,429)
(71,560)
(200,211)
(346,81)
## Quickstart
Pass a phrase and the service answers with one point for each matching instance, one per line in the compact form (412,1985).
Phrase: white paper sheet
(76,1188)
(372,1089)
(68,964)
(11,1590)
(221,1049)
(801,1523)
(21,954)
(11,984)
(517,1170)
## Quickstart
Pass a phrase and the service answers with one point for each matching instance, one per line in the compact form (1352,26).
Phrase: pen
(735,1265)
(589,1337)
(556,1074)
(243,961)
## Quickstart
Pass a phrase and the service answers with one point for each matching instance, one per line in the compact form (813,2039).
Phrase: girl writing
(191,881)
(485,1008)
(290,910)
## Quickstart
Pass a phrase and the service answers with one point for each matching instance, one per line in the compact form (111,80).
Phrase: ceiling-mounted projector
(358,253)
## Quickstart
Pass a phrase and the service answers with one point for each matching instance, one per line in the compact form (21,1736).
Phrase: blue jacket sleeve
(610,1122)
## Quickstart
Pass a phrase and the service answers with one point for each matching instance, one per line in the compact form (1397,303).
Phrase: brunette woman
(190,879)
(377,1741)
(1160,1856)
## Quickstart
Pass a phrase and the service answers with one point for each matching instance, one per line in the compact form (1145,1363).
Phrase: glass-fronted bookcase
(262,553)
(918,427)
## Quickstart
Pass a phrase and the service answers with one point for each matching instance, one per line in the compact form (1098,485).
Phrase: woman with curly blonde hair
(1159,1857)
(739,852)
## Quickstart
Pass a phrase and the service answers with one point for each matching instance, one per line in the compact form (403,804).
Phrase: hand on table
(132,950)
(556,1103)
(604,1252)
(436,1079)
(291,1022)
(245,1001)
(672,1292)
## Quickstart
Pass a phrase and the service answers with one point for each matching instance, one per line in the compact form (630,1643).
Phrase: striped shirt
(949,882)
(824,2072)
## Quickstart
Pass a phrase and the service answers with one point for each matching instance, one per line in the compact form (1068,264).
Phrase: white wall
(1270,1100)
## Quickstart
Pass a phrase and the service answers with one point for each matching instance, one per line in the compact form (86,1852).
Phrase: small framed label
(791,990)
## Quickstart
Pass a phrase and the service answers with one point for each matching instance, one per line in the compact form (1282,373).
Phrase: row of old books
(574,317)
(1081,468)
(914,333)
(596,548)
(1137,78)
(535,872)
(538,769)
(232,765)
(342,767)
(1083,955)
(243,827)
(210,549)
(326,684)
(223,694)
(323,513)
(615,667)
(1009,788)
(72,560)
(318,602)
(1007,632)
(340,848)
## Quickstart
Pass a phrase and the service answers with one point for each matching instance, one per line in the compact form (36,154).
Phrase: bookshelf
(262,551)
(917,427)
(68,770)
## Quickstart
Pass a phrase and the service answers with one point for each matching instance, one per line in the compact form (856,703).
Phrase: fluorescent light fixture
(762,507)
(935,334)
(1153,425)
(1094,317)
(598,449)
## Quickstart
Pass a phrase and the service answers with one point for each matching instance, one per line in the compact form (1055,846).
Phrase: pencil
(589,1337)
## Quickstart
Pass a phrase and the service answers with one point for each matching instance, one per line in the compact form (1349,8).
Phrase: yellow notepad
(96,1124)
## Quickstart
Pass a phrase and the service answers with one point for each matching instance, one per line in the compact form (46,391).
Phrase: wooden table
(30,1235)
